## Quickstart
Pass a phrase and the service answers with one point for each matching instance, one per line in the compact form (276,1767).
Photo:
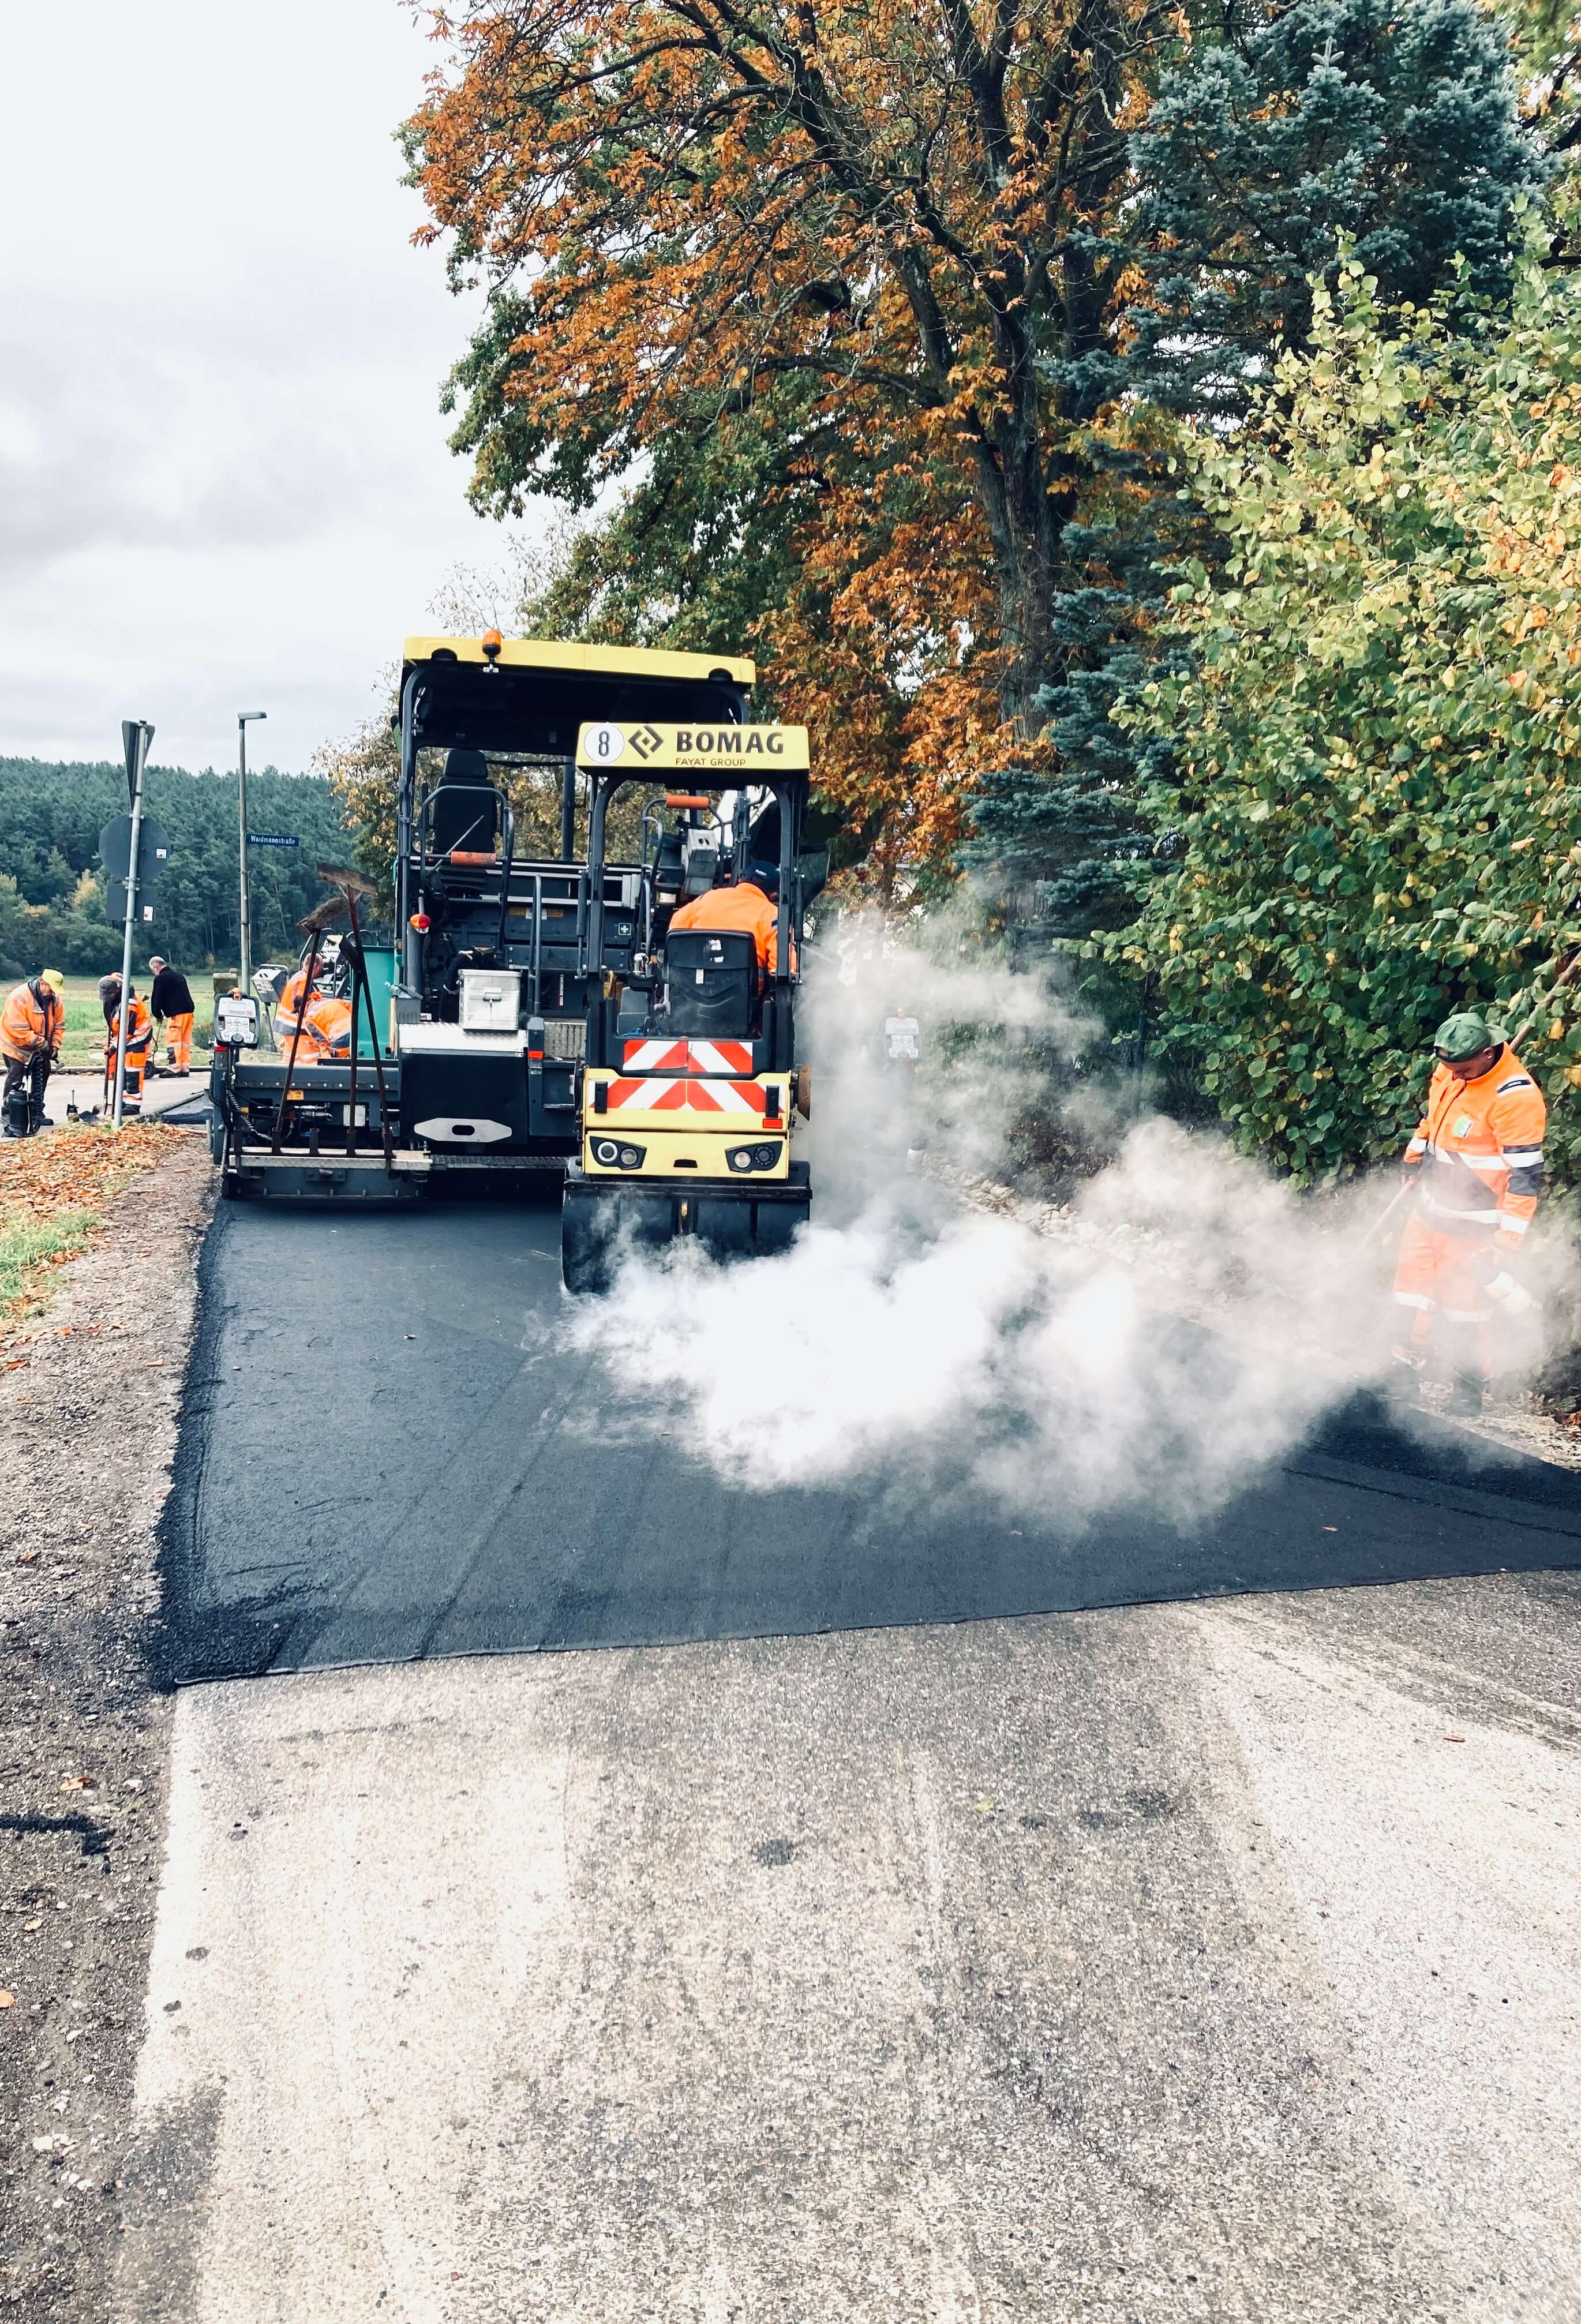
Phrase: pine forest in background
(52,886)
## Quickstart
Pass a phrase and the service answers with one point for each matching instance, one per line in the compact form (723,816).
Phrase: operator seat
(712,986)
(464,813)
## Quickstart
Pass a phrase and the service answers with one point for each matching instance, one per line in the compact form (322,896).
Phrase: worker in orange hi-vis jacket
(139,1041)
(290,999)
(1476,1164)
(301,999)
(326,1031)
(31,1025)
(746,904)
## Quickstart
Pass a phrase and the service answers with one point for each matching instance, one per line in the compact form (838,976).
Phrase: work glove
(1491,1269)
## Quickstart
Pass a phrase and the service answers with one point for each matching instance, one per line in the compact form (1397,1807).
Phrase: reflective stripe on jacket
(1479,1147)
(326,1030)
(28,1024)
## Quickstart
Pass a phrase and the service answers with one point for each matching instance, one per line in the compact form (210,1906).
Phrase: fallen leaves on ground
(53,1189)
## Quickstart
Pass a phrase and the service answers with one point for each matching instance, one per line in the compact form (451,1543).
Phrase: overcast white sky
(224,479)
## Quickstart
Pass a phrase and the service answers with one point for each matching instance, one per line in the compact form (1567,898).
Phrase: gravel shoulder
(89,1393)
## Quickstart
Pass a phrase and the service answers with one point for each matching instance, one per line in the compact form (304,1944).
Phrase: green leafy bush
(1375,811)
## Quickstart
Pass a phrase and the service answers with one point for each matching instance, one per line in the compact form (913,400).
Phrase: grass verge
(25,1247)
(54,1191)
(82,1049)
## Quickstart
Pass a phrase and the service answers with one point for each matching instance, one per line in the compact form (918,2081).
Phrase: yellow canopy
(612,661)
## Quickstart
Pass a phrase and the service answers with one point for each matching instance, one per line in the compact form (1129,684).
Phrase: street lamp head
(243,716)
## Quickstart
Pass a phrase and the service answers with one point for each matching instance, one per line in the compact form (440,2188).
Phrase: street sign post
(153,852)
(137,734)
(271,839)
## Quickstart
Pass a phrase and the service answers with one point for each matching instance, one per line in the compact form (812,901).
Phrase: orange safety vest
(290,999)
(326,1027)
(139,1030)
(743,905)
(1479,1150)
(28,1025)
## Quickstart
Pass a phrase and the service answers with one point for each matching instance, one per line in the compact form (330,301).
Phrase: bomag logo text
(730,743)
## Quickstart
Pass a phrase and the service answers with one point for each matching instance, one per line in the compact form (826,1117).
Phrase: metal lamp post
(244,719)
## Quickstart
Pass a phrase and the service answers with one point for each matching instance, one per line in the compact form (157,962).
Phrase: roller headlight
(618,1154)
(761,1157)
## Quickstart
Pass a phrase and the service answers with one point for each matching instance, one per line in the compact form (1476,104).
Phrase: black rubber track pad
(384,1456)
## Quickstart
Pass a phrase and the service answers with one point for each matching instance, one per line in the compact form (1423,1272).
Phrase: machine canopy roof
(530,695)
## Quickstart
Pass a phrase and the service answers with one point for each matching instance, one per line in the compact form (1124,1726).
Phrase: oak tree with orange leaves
(851,294)
(863,244)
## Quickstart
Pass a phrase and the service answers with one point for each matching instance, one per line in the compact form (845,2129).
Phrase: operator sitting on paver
(171,999)
(30,1027)
(1476,1164)
(746,904)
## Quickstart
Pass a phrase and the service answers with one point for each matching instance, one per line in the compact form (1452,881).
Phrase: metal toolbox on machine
(491,999)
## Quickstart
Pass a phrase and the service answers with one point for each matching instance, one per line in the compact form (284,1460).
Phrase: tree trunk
(1023,521)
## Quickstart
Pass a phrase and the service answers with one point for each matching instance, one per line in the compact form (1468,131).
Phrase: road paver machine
(471,1040)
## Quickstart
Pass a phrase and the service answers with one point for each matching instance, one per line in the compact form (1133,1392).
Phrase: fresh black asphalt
(387,1453)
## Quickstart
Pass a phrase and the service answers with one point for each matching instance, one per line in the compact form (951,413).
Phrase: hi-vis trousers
(1433,1279)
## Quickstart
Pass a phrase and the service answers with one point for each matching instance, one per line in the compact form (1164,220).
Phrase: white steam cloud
(1175,1331)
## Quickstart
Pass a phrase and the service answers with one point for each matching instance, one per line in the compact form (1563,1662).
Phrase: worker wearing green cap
(1476,1165)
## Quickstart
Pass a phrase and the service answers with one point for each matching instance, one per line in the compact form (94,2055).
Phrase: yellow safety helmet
(54,980)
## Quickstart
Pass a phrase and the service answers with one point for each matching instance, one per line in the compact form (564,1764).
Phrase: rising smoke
(1174,1331)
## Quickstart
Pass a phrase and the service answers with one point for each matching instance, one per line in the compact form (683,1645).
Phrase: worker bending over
(139,1040)
(325,1024)
(746,904)
(1476,1164)
(171,999)
(31,1025)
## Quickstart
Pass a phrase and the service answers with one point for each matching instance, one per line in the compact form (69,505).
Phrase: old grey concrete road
(1134,1965)
(794,1950)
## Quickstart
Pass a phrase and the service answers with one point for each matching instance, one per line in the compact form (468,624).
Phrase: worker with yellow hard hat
(31,1028)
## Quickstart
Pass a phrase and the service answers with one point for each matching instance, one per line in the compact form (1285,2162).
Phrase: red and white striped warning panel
(688,1057)
(683,1094)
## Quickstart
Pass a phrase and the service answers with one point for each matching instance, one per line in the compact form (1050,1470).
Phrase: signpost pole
(136,736)
(243,718)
